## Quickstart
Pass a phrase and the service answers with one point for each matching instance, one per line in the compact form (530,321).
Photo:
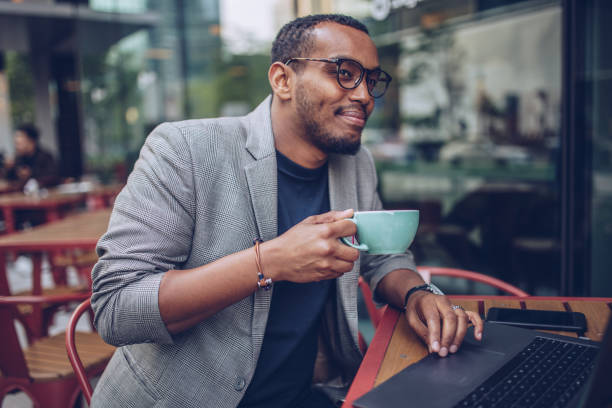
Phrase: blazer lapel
(342,182)
(262,182)
(261,179)
(261,172)
(342,196)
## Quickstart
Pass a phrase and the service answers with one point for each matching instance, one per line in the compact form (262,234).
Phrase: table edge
(368,370)
(45,245)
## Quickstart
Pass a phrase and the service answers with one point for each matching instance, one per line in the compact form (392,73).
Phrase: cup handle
(361,247)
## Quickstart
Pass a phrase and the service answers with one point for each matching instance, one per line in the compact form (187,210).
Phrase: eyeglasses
(350,73)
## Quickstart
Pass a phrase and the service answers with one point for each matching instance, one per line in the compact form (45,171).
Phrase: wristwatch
(429,287)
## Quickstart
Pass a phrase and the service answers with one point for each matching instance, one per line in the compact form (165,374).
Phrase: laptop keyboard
(547,373)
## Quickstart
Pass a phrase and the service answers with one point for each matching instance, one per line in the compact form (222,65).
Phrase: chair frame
(473,276)
(426,272)
(73,355)
(16,374)
(374,312)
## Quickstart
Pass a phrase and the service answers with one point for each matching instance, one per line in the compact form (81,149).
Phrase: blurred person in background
(30,161)
(222,279)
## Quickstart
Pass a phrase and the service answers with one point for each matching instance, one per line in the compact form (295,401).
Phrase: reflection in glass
(472,140)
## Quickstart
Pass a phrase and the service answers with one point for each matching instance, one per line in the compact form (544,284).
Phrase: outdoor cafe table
(76,231)
(395,346)
(52,204)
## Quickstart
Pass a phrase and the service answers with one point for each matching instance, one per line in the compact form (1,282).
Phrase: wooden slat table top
(106,189)
(497,302)
(20,200)
(75,231)
(396,346)
(598,314)
(7,187)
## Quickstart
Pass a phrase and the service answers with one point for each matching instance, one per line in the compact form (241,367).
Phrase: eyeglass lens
(350,73)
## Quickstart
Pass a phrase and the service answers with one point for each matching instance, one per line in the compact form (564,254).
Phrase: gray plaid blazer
(201,190)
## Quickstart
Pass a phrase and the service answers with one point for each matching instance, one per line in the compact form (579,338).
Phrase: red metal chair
(427,272)
(41,370)
(374,312)
(80,371)
(82,374)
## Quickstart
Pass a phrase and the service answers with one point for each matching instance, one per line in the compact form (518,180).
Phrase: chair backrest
(428,271)
(73,355)
(374,313)
(12,360)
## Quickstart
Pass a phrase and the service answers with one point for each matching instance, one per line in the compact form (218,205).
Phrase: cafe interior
(494,127)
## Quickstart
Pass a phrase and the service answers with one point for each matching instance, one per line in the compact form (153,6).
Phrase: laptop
(511,367)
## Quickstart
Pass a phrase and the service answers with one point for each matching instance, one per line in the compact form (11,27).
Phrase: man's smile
(354,116)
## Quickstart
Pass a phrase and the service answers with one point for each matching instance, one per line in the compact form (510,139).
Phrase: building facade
(496,126)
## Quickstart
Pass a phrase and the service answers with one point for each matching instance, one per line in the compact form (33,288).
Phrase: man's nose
(361,94)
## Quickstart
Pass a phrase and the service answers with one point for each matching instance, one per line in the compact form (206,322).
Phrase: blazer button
(239,384)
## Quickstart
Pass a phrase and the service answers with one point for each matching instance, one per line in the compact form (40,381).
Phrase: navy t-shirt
(285,367)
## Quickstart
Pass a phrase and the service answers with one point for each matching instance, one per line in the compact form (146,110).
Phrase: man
(179,282)
(31,161)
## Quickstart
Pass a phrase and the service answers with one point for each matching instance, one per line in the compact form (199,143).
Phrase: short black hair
(295,40)
(30,131)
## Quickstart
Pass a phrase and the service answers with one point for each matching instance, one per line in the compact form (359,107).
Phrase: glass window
(594,128)
(470,135)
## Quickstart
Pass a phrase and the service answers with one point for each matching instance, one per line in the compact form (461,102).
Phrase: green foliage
(21,88)
(110,89)
(242,78)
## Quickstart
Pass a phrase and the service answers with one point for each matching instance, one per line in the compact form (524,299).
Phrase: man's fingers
(345,252)
(419,327)
(340,267)
(477,322)
(329,216)
(442,326)
(449,328)
(432,319)
(342,228)
(462,324)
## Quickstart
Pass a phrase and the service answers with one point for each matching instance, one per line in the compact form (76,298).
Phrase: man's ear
(281,79)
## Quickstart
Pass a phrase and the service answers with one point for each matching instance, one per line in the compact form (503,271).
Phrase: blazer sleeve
(150,232)
(375,267)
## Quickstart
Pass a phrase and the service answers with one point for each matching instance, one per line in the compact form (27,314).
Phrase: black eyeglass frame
(339,61)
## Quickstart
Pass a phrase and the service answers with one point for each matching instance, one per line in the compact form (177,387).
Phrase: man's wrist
(427,287)
(269,260)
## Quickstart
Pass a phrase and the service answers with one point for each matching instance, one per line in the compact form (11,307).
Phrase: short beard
(324,141)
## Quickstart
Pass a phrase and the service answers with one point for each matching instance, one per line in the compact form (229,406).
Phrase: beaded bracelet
(262,282)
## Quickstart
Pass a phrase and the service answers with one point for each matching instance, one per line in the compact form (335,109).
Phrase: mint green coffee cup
(384,232)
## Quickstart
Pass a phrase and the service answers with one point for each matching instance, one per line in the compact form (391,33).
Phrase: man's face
(333,117)
(24,146)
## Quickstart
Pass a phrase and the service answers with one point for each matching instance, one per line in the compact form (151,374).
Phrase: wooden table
(8,187)
(77,231)
(53,204)
(98,195)
(103,196)
(395,346)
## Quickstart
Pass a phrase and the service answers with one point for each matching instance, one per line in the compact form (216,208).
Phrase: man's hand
(311,250)
(439,325)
